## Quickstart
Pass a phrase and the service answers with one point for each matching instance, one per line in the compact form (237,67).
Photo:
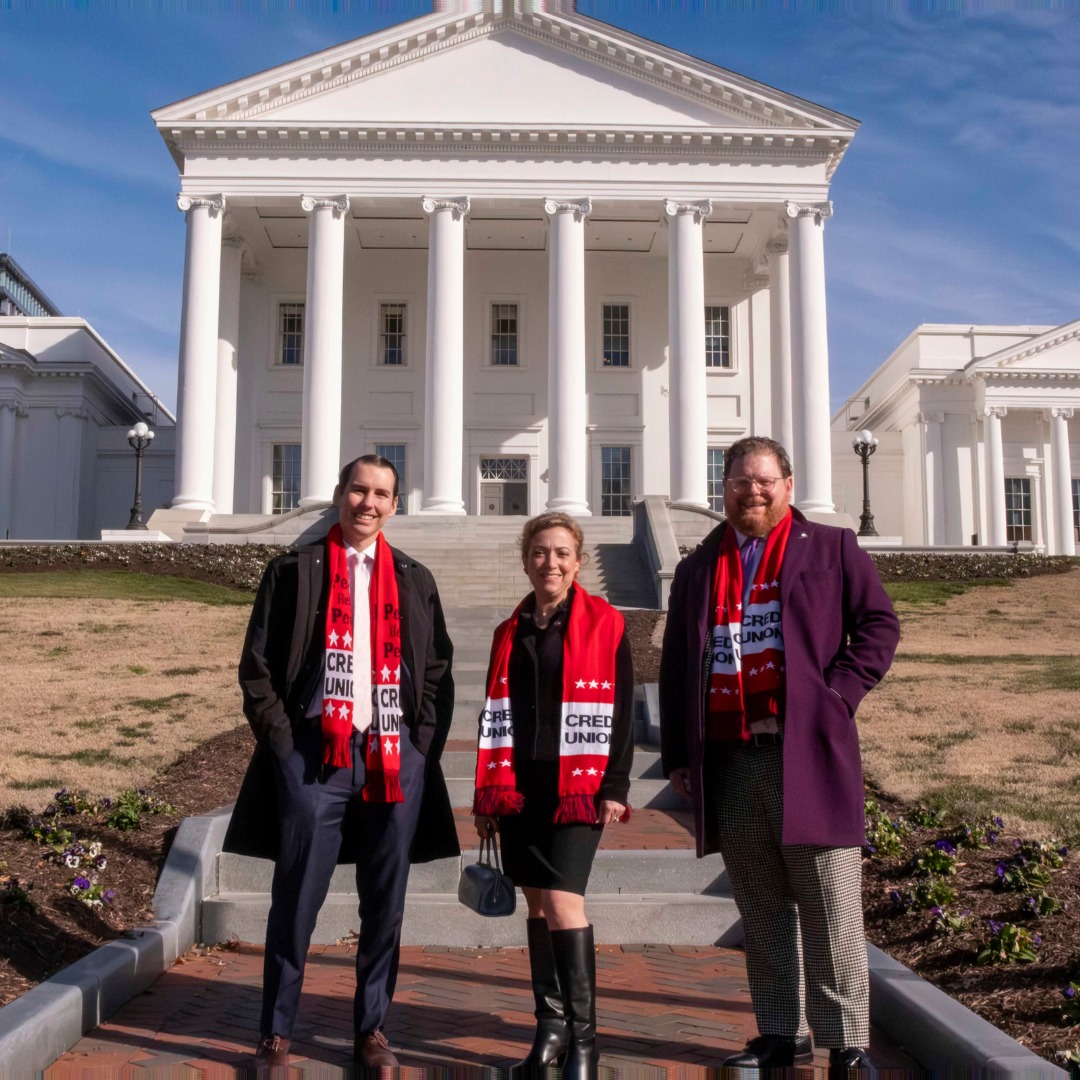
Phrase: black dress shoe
(843,1062)
(772,1052)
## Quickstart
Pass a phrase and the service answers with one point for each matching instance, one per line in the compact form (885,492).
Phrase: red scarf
(383,753)
(746,673)
(593,631)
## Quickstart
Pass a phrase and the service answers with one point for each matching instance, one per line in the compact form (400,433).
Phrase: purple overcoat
(840,633)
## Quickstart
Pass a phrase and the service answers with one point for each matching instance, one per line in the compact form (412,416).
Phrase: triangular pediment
(1053,350)
(501,70)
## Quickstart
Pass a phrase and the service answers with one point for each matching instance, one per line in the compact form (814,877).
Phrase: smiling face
(364,503)
(552,563)
(753,510)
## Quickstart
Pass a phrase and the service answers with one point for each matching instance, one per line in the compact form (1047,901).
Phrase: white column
(995,475)
(688,417)
(197,412)
(232,250)
(811,443)
(1063,508)
(568,449)
(8,412)
(444,391)
(933,489)
(320,439)
(780,335)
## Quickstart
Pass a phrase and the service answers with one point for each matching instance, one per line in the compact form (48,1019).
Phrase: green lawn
(117,585)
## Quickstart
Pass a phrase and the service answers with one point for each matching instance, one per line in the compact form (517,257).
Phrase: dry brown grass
(980,710)
(100,694)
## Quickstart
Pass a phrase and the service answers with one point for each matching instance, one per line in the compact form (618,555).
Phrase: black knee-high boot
(552,1035)
(575,962)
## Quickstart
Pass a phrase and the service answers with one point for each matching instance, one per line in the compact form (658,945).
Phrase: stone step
(654,794)
(439,919)
(614,872)
(461,764)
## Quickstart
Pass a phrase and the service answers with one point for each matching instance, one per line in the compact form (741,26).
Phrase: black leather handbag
(483,886)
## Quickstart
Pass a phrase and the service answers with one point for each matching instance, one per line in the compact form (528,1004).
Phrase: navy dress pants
(311,809)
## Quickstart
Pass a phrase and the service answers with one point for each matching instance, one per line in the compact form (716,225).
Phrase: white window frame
(276,304)
(632,336)
(492,303)
(733,337)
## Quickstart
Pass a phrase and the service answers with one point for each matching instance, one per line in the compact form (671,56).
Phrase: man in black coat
(308,815)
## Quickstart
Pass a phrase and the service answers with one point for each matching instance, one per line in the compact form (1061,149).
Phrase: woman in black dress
(553,768)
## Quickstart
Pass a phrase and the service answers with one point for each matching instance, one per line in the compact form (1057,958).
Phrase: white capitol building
(540,262)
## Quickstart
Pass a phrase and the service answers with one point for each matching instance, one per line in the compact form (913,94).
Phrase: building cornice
(1014,354)
(764,117)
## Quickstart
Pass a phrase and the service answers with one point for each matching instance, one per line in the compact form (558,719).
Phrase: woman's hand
(680,781)
(485,826)
(610,811)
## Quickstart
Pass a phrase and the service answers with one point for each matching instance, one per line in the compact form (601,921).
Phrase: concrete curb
(938,1031)
(45,1022)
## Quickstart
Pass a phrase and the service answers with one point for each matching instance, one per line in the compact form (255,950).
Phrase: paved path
(664,1011)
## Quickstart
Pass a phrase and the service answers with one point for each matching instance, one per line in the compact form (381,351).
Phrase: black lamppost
(139,438)
(865,444)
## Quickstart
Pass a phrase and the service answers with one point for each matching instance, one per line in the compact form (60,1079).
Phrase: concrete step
(615,871)
(654,794)
(439,919)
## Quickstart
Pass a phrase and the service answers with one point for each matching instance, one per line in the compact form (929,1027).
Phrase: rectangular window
(614,481)
(1017,508)
(504,335)
(504,468)
(395,454)
(392,334)
(290,334)
(286,482)
(1076,507)
(616,335)
(715,479)
(717,336)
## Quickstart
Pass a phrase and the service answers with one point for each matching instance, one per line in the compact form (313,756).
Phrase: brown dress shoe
(374,1051)
(272,1052)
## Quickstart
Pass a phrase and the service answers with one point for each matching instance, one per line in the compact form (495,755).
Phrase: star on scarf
(385,673)
(593,685)
(329,707)
(578,772)
(580,684)
(333,639)
(347,640)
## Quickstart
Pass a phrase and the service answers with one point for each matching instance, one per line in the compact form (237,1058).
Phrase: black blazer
(280,664)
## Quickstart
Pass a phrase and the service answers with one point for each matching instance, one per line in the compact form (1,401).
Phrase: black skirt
(535,851)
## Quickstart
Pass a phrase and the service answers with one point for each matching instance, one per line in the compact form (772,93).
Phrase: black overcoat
(280,665)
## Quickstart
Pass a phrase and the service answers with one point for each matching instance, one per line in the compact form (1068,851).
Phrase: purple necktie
(746,553)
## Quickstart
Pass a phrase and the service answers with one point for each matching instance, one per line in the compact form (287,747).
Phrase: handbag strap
(489,852)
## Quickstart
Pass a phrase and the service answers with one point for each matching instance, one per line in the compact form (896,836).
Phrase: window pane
(616,335)
(290,333)
(392,334)
(715,479)
(503,469)
(614,481)
(285,488)
(1017,508)
(395,454)
(1076,506)
(504,335)
(717,336)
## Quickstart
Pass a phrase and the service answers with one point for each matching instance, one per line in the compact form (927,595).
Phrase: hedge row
(240,566)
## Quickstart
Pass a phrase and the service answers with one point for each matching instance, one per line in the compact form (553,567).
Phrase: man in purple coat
(777,628)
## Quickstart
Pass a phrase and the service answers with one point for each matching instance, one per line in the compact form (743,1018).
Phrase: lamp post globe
(864,445)
(139,438)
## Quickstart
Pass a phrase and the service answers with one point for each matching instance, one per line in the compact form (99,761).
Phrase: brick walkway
(663,1012)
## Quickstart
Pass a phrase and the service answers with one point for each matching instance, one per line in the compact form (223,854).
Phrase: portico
(605,299)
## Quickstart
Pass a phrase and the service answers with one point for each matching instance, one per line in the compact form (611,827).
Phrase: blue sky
(957,201)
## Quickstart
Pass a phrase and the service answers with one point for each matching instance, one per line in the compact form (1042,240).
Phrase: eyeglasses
(743,485)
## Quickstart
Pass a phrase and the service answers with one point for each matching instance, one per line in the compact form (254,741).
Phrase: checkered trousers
(782,889)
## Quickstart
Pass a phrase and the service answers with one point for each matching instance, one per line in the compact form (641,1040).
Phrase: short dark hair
(756,444)
(366,459)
